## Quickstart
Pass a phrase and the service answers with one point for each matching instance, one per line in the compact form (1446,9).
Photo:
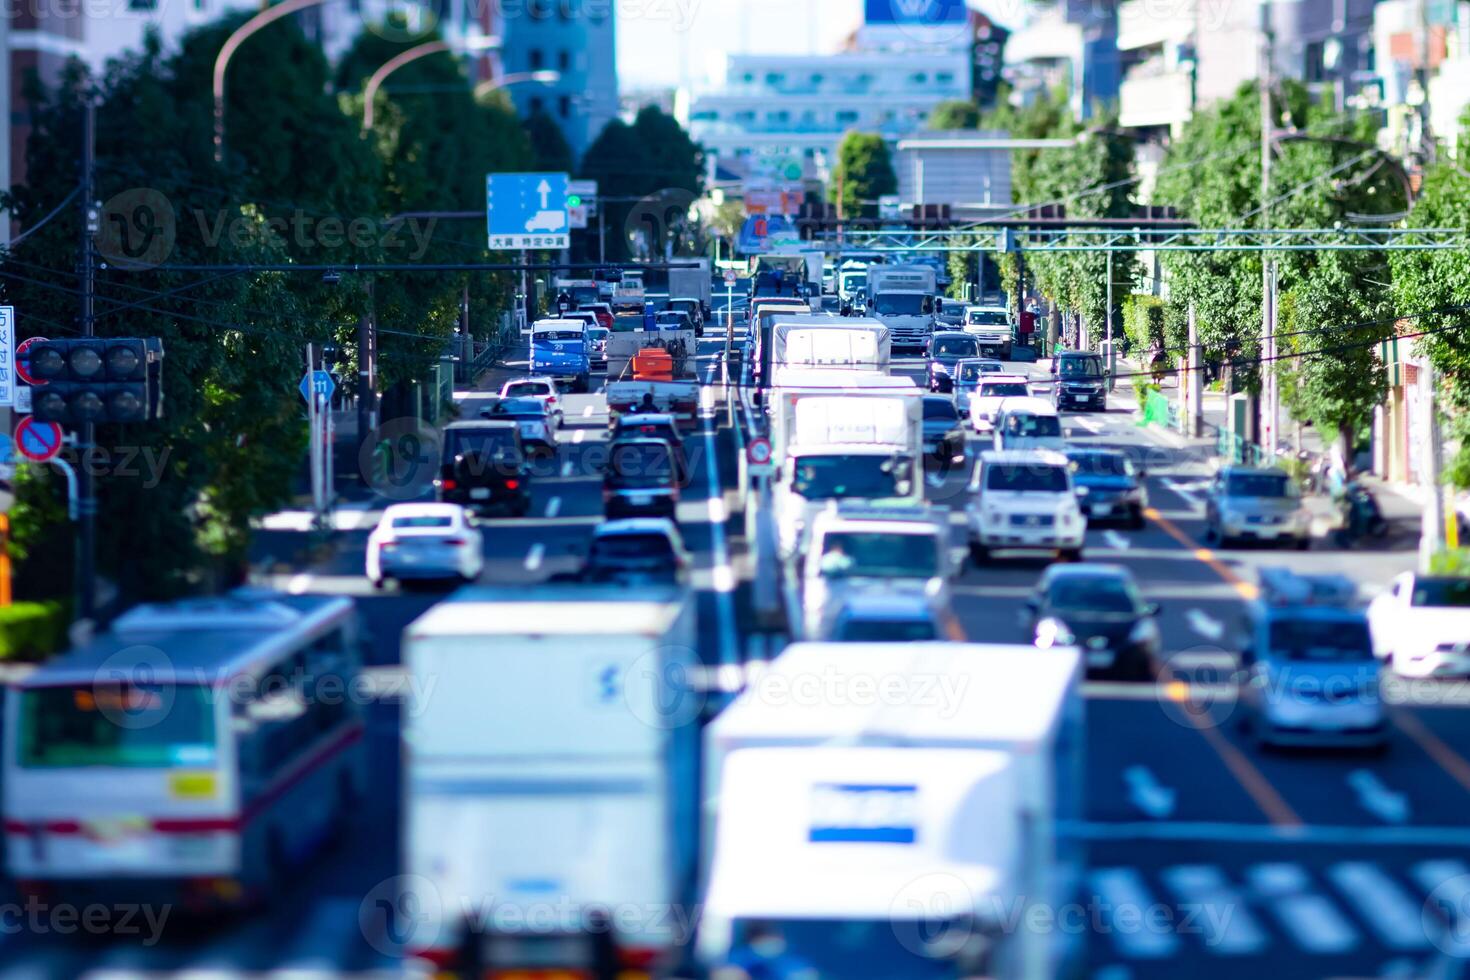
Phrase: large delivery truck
(820,340)
(549,779)
(902,296)
(914,797)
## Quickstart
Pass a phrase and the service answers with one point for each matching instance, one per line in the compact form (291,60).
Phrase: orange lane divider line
(1246,590)
(1256,785)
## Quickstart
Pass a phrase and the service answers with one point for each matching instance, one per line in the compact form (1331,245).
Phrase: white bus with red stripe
(198,752)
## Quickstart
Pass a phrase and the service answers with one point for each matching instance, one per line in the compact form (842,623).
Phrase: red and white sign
(758,453)
(730,277)
(37,441)
(23,360)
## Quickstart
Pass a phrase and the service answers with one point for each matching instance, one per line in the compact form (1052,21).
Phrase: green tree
(550,150)
(955,114)
(652,161)
(864,172)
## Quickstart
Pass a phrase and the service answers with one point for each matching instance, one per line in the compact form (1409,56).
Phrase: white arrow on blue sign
(527,211)
(321,381)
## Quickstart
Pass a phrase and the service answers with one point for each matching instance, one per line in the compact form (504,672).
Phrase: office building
(577,40)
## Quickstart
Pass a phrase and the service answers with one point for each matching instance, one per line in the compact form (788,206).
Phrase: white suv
(1023,500)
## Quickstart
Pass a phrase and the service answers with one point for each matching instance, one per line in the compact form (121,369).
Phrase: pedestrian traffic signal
(111,379)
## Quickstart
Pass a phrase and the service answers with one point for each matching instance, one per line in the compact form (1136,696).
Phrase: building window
(535,59)
(564,106)
(779,116)
(749,77)
(141,5)
(945,78)
(774,78)
(745,116)
(563,60)
(535,104)
(919,78)
(816,79)
(846,117)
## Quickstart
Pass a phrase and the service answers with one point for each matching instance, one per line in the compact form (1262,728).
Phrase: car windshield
(547,336)
(1330,640)
(1091,593)
(630,546)
(423,521)
(1454,592)
(1100,464)
(940,408)
(1259,485)
(879,554)
(640,465)
(887,631)
(1026,477)
(826,477)
(133,725)
(1081,367)
(987,318)
(970,374)
(901,304)
(522,389)
(1003,389)
(488,443)
(597,333)
(1027,426)
(956,347)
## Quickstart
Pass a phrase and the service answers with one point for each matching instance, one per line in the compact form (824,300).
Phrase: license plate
(640,499)
(1099,658)
(480,493)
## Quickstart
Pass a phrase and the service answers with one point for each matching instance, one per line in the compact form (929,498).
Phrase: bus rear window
(146,726)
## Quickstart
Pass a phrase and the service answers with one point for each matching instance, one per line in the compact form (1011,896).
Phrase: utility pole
(1108,329)
(1268,126)
(1195,363)
(1270,392)
(86,437)
(367,420)
(1431,531)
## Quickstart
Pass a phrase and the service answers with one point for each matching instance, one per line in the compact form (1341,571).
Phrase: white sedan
(425,541)
(1421,626)
(542,389)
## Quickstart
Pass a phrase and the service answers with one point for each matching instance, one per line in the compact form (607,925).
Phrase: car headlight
(1053,633)
(1145,631)
(938,367)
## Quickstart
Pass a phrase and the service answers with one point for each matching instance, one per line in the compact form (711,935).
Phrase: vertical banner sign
(7,355)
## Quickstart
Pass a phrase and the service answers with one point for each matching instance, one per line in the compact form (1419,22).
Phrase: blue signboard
(915,12)
(321,381)
(527,211)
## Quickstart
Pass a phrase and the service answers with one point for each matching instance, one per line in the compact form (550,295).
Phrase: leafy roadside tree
(955,114)
(652,161)
(864,172)
(550,150)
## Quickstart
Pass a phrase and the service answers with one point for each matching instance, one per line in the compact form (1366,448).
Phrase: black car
(1108,485)
(1079,381)
(641,479)
(944,435)
(946,348)
(482,466)
(1096,608)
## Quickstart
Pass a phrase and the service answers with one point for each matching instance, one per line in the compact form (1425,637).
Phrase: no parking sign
(37,441)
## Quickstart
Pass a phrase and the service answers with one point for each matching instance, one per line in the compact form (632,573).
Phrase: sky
(664,42)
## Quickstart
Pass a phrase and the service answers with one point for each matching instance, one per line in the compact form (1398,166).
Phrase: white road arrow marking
(553,507)
(1116,540)
(544,189)
(1205,625)
(1145,792)
(1384,803)
(534,556)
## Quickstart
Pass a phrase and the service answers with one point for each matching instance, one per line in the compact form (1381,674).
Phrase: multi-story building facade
(1069,45)
(578,41)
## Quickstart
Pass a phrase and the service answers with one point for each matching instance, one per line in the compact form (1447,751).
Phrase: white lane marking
(535,556)
(1204,624)
(1231,931)
(1117,541)
(1123,895)
(553,507)
(1148,794)
(724,572)
(1381,801)
(1310,919)
(300,582)
(1086,423)
(1382,903)
(566,468)
(1183,494)
(587,412)
(578,436)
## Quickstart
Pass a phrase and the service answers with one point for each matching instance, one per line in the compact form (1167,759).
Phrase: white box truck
(840,435)
(550,773)
(902,296)
(691,282)
(946,710)
(821,340)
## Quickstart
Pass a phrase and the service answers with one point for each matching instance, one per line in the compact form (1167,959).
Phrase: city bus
(198,752)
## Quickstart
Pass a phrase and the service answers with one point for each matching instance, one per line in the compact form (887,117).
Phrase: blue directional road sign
(319,380)
(527,211)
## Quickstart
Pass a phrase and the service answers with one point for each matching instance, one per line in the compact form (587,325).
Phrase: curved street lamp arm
(268,16)
(375,82)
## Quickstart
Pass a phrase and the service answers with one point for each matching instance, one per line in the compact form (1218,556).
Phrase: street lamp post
(545,77)
(221,62)
(375,82)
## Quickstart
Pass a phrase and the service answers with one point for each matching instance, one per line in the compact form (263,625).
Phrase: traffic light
(574,200)
(97,379)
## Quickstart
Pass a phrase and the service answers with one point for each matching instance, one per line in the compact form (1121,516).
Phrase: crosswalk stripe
(1446,884)
(1382,903)
(1230,929)
(1122,891)
(1312,921)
